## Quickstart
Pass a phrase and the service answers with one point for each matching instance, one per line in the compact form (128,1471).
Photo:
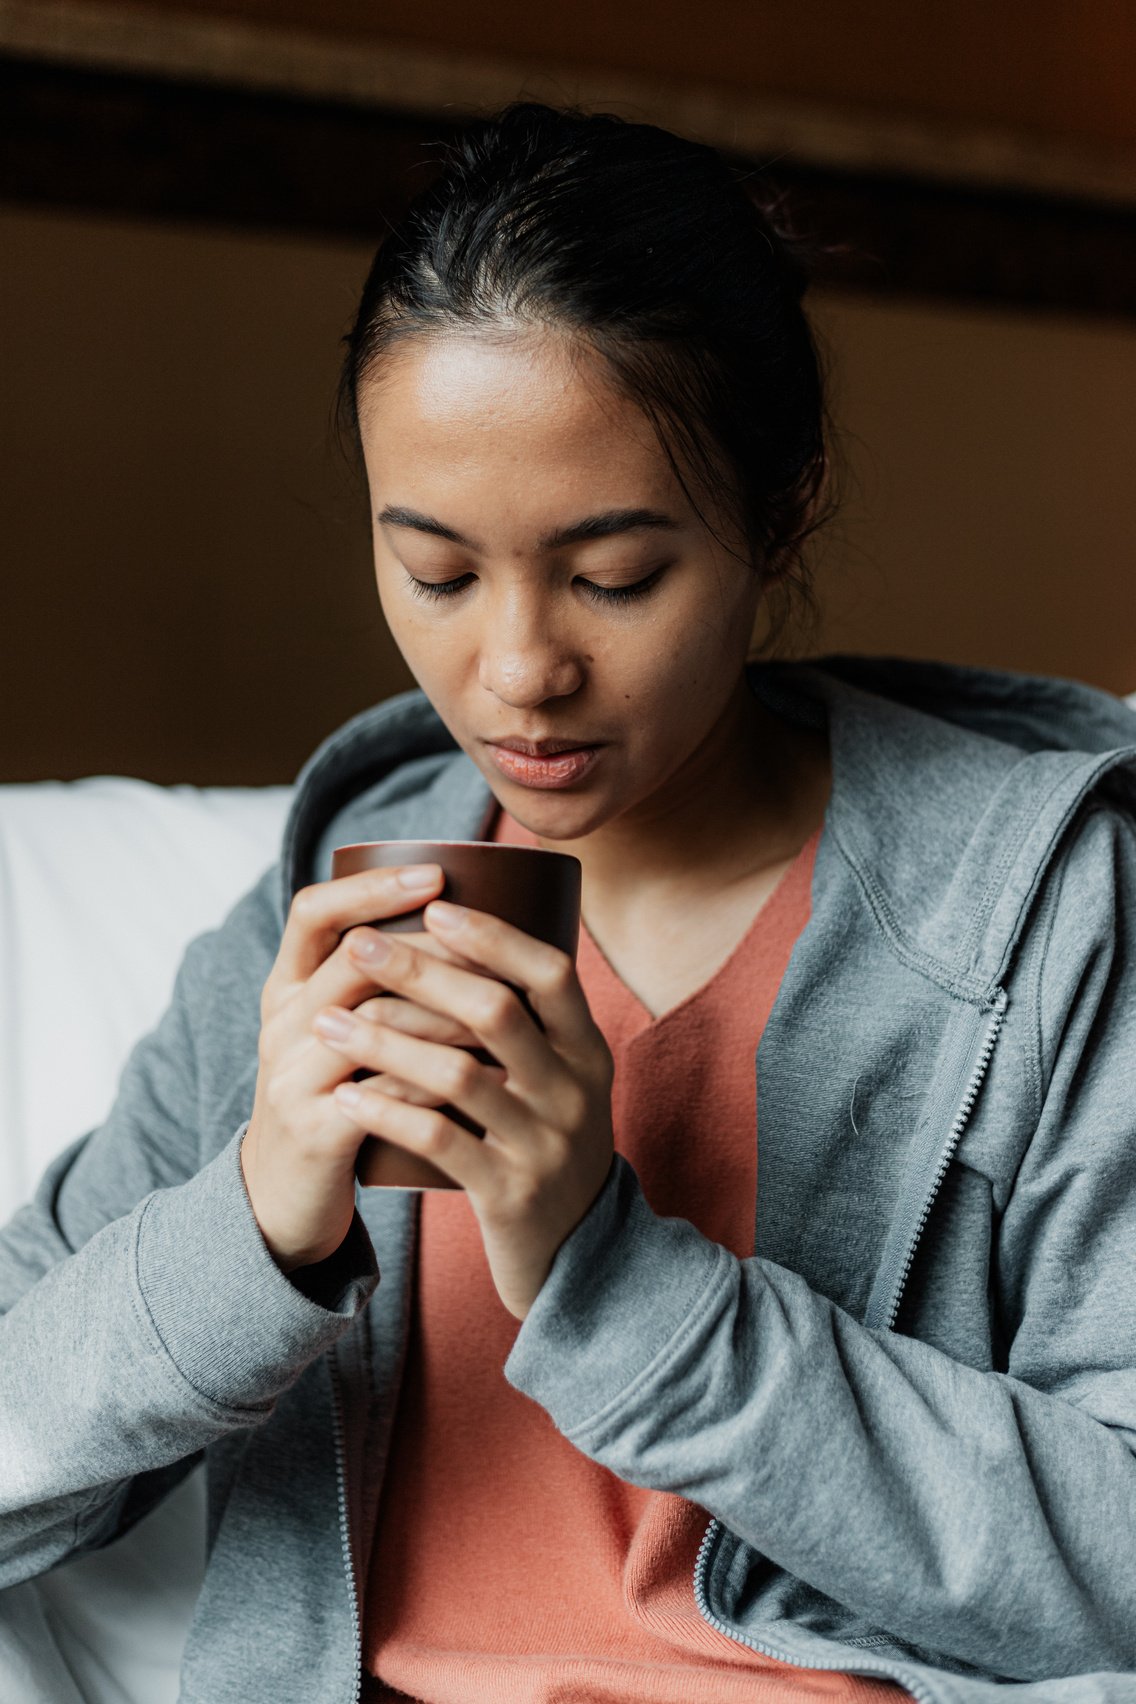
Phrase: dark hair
(657,252)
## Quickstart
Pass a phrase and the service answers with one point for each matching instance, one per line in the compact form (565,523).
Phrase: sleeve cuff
(236,1328)
(624,1291)
(329,1283)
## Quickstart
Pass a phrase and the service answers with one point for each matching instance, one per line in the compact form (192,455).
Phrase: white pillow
(103,883)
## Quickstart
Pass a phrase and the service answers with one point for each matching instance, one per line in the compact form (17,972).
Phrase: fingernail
(418,876)
(335,1025)
(445,915)
(348,1094)
(371,947)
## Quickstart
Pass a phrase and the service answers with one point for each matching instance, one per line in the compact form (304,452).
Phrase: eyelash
(437,590)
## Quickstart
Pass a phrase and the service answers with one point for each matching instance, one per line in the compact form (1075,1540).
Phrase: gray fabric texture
(910,1416)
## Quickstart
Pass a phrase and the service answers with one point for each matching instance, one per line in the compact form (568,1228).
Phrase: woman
(593,1427)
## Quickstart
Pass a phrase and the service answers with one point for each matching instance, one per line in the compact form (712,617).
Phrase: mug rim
(495,845)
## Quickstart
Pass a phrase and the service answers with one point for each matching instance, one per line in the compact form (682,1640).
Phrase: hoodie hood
(1031,712)
(952,788)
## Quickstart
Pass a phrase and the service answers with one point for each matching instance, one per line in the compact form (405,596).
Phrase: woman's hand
(547,1148)
(298,1155)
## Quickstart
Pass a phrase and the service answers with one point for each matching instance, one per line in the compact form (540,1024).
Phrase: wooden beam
(402,76)
(154,148)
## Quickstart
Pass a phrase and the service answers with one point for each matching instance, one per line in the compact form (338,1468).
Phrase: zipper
(954,1136)
(344,1527)
(958,1125)
(888,1670)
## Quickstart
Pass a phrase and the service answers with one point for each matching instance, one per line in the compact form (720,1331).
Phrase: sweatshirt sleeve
(141,1313)
(985,1515)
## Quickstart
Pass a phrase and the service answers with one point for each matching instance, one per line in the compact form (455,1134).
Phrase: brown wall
(991,508)
(186,590)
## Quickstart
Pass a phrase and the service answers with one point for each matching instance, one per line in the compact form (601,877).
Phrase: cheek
(420,639)
(672,681)
(672,665)
(442,656)
(433,651)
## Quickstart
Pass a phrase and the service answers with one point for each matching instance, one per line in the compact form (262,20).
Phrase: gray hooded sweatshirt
(910,1416)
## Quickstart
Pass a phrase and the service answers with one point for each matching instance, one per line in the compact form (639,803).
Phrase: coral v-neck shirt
(509,1568)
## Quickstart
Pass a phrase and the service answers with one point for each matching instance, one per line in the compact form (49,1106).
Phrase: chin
(554,816)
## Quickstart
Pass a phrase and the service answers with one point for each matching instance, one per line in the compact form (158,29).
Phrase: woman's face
(547,580)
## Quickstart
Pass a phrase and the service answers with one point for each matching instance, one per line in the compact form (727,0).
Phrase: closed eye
(622,594)
(438,589)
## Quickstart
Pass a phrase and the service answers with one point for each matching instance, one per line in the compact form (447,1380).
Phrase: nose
(527,656)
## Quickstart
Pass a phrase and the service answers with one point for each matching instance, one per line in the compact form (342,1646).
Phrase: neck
(745,800)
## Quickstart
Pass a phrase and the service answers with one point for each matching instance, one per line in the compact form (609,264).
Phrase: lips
(541,748)
(544,763)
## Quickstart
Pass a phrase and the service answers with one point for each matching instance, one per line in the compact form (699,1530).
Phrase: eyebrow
(605,525)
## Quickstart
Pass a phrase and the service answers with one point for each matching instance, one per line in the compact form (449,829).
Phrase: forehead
(535,411)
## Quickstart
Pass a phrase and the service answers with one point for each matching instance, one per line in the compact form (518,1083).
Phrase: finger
(547,975)
(322,1066)
(427,943)
(421,1130)
(450,1075)
(304,1089)
(321,913)
(398,1090)
(401,1090)
(405,1016)
(494,1012)
(346,980)
(317,1067)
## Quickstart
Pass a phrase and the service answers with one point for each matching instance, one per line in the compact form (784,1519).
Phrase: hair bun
(794,253)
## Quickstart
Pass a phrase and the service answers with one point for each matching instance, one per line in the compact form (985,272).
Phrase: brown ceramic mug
(534,890)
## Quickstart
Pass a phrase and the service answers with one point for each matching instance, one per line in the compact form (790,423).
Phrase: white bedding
(103,882)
